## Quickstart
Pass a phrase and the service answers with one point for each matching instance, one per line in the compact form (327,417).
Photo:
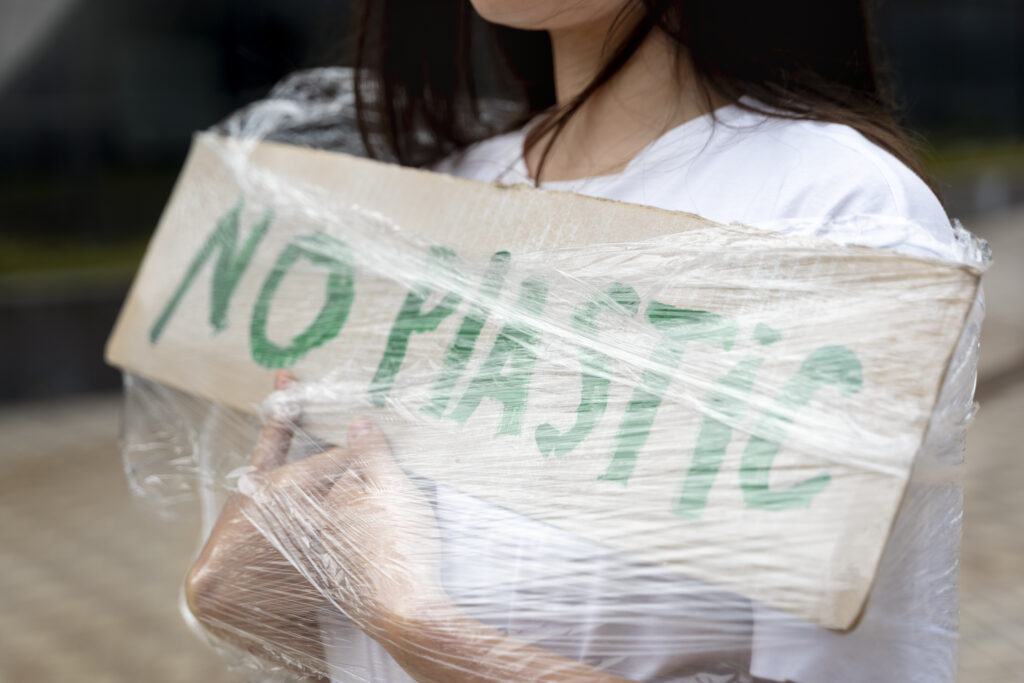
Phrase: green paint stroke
(231,263)
(729,400)
(678,326)
(323,251)
(505,374)
(618,298)
(412,319)
(766,335)
(461,349)
(826,366)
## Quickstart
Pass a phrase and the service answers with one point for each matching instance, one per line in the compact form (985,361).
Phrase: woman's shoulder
(838,154)
(770,170)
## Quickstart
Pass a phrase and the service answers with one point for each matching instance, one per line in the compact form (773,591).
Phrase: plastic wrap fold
(536,436)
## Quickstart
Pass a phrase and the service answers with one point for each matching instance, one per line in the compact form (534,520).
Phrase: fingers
(369,451)
(314,475)
(367,458)
(276,438)
(283,379)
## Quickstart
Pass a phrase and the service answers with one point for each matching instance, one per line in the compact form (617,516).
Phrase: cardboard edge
(853,619)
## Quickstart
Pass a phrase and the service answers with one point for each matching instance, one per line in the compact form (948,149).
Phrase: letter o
(321,250)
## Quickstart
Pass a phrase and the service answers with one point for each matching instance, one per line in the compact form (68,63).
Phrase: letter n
(228,268)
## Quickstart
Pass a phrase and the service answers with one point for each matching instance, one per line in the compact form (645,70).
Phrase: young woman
(765,113)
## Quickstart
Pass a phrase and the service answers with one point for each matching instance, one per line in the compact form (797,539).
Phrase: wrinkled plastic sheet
(327,552)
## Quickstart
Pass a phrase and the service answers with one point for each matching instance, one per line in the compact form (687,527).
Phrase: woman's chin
(546,15)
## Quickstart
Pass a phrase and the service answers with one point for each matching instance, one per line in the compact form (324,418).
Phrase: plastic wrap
(375,521)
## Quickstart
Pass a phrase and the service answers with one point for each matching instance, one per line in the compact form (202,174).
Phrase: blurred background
(98,100)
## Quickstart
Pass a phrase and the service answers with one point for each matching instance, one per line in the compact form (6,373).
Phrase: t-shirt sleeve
(840,185)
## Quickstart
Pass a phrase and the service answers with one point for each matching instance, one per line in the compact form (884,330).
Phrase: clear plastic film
(549,471)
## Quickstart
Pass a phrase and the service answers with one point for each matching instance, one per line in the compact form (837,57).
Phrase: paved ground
(89,578)
(992,565)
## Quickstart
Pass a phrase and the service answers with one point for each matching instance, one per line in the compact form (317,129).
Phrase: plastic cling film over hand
(441,431)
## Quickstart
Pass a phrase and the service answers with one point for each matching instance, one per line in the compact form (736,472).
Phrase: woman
(768,114)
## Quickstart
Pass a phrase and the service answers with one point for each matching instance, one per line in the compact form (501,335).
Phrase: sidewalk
(88,577)
(992,564)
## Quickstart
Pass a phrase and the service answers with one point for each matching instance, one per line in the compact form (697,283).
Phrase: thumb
(369,450)
(282,418)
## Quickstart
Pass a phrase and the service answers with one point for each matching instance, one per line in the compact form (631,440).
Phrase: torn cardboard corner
(738,406)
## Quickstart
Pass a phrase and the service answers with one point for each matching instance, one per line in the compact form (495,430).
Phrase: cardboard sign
(738,406)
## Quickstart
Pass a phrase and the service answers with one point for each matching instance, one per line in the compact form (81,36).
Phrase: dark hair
(420,69)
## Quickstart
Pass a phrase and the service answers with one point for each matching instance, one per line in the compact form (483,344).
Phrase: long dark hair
(420,69)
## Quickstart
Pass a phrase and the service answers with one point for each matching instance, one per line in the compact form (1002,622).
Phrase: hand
(343,530)
(379,542)
(242,588)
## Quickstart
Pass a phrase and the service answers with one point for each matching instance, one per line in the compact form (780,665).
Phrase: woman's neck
(652,93)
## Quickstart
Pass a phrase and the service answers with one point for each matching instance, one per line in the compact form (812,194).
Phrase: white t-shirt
(743,167)
(794,176)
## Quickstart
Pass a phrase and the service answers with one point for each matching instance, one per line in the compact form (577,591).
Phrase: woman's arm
(242,589)
(345,531)
(382,533)
(446,645)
